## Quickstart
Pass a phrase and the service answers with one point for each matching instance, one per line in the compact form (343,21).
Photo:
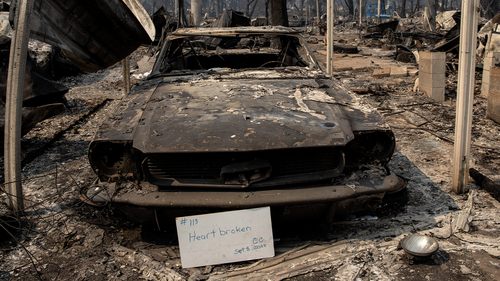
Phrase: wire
(30,256)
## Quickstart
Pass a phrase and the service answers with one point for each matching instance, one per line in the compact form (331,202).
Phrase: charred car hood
(240,115)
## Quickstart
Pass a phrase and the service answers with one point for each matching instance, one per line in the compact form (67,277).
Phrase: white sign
(225,237)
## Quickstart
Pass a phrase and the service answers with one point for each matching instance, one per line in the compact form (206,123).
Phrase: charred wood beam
(345,49)
(487,184)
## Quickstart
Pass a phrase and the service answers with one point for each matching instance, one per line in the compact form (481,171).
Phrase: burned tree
(403,9)
(249,9)
(279,14)
(350,6)
(432,14)
(490,8)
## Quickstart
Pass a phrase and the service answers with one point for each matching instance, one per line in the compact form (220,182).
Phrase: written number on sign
(189,222)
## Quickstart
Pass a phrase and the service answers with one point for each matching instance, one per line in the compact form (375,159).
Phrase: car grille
(284,162)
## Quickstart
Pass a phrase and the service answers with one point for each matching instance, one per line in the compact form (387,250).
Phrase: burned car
(234,118)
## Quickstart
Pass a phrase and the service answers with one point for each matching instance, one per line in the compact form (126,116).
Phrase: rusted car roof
(226,31)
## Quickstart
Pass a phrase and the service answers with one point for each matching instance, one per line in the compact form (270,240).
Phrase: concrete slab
(493,108)
(398,71)
(322,52)
(382,72)
(412,72)
(341,68)
(365,53)
(358,68)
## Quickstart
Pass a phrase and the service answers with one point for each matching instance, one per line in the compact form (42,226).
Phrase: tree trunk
(403,9)
(253,9)
(318,13)
(217,8)
(196,11)
(350,6)
(432,14)
(181,17)
(279,14)
(267,11)
(491,9)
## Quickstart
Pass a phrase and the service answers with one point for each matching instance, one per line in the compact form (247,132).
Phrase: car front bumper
(102,193)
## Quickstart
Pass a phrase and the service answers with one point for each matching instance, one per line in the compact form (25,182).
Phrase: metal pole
(317,12)
(307,15)
(465,95)
(14,101)
(329,37)
(328,46)
(126,75)
(360,12)
(378,12)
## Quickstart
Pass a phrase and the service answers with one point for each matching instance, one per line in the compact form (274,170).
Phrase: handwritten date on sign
(258,243)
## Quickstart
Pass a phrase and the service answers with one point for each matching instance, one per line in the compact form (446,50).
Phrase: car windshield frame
(200,45)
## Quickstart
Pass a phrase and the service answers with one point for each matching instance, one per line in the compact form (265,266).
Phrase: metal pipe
(360,12)
(14,101)
(378,12)
(329,36)
(317,12)
(126,75)
(307,15)
(465,95)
